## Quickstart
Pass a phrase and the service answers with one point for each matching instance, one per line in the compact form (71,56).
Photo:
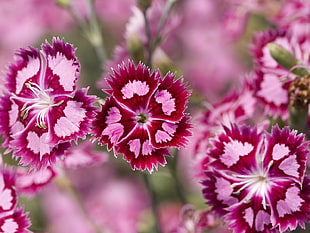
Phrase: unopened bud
(63,3)
(286,59)
(144,4)
(135,48)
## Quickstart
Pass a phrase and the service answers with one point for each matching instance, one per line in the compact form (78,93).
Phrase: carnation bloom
(12,219)
(257,181)
(42,110)
(143,116)
(272,80)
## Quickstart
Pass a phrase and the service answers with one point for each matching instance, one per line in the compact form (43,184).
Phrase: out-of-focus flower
(208,61)
(42,109)
(144,115)
(194,221)
(109,203)
(82,155)
(257,181)
(103,200)
(294,16)
(272,79)
(72,217)
(12,218)
(29,182)
(238,107)
(38,19)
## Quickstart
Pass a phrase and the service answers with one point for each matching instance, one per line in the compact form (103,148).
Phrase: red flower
(144,115)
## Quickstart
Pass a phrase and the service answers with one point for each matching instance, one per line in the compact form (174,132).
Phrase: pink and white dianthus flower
(144,115)
(257,181)
(12,218)
(272,80)
(42,110)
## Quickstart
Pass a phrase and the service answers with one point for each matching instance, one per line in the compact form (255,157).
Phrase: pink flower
(42,109)
(272,80)
(12,218)
(143,116)
(30,182)
(83,155)
(257,181)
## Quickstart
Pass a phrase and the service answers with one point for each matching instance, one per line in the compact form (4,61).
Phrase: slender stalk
(168,7)
(149,40)
(64,183)
(174,174)
(146,179)
(95,33)
(91,29)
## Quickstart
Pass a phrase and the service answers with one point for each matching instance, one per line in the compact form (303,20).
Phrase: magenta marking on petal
(65,69)
(279,151)
(290,166)
(165,98)
(262,219)
(9,226)
(70,123)
(6,199)
(135,146)
(169,128)
(162,136)
(233,150)
(29,71)
(249,216)
(291,203)
(147,148)
(135,87)
(114,115)
(114,132)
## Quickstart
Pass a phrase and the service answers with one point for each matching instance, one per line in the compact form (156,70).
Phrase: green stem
(95,36)
(154,201)
(91,30)
(299,119)
(148,38)
(172,166)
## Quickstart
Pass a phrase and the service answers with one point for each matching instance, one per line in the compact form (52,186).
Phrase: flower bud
(144,4)
(63,3)
(286,59)
(135,48)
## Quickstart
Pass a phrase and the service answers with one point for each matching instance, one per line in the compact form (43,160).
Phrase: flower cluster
(257,181)
(171,86)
